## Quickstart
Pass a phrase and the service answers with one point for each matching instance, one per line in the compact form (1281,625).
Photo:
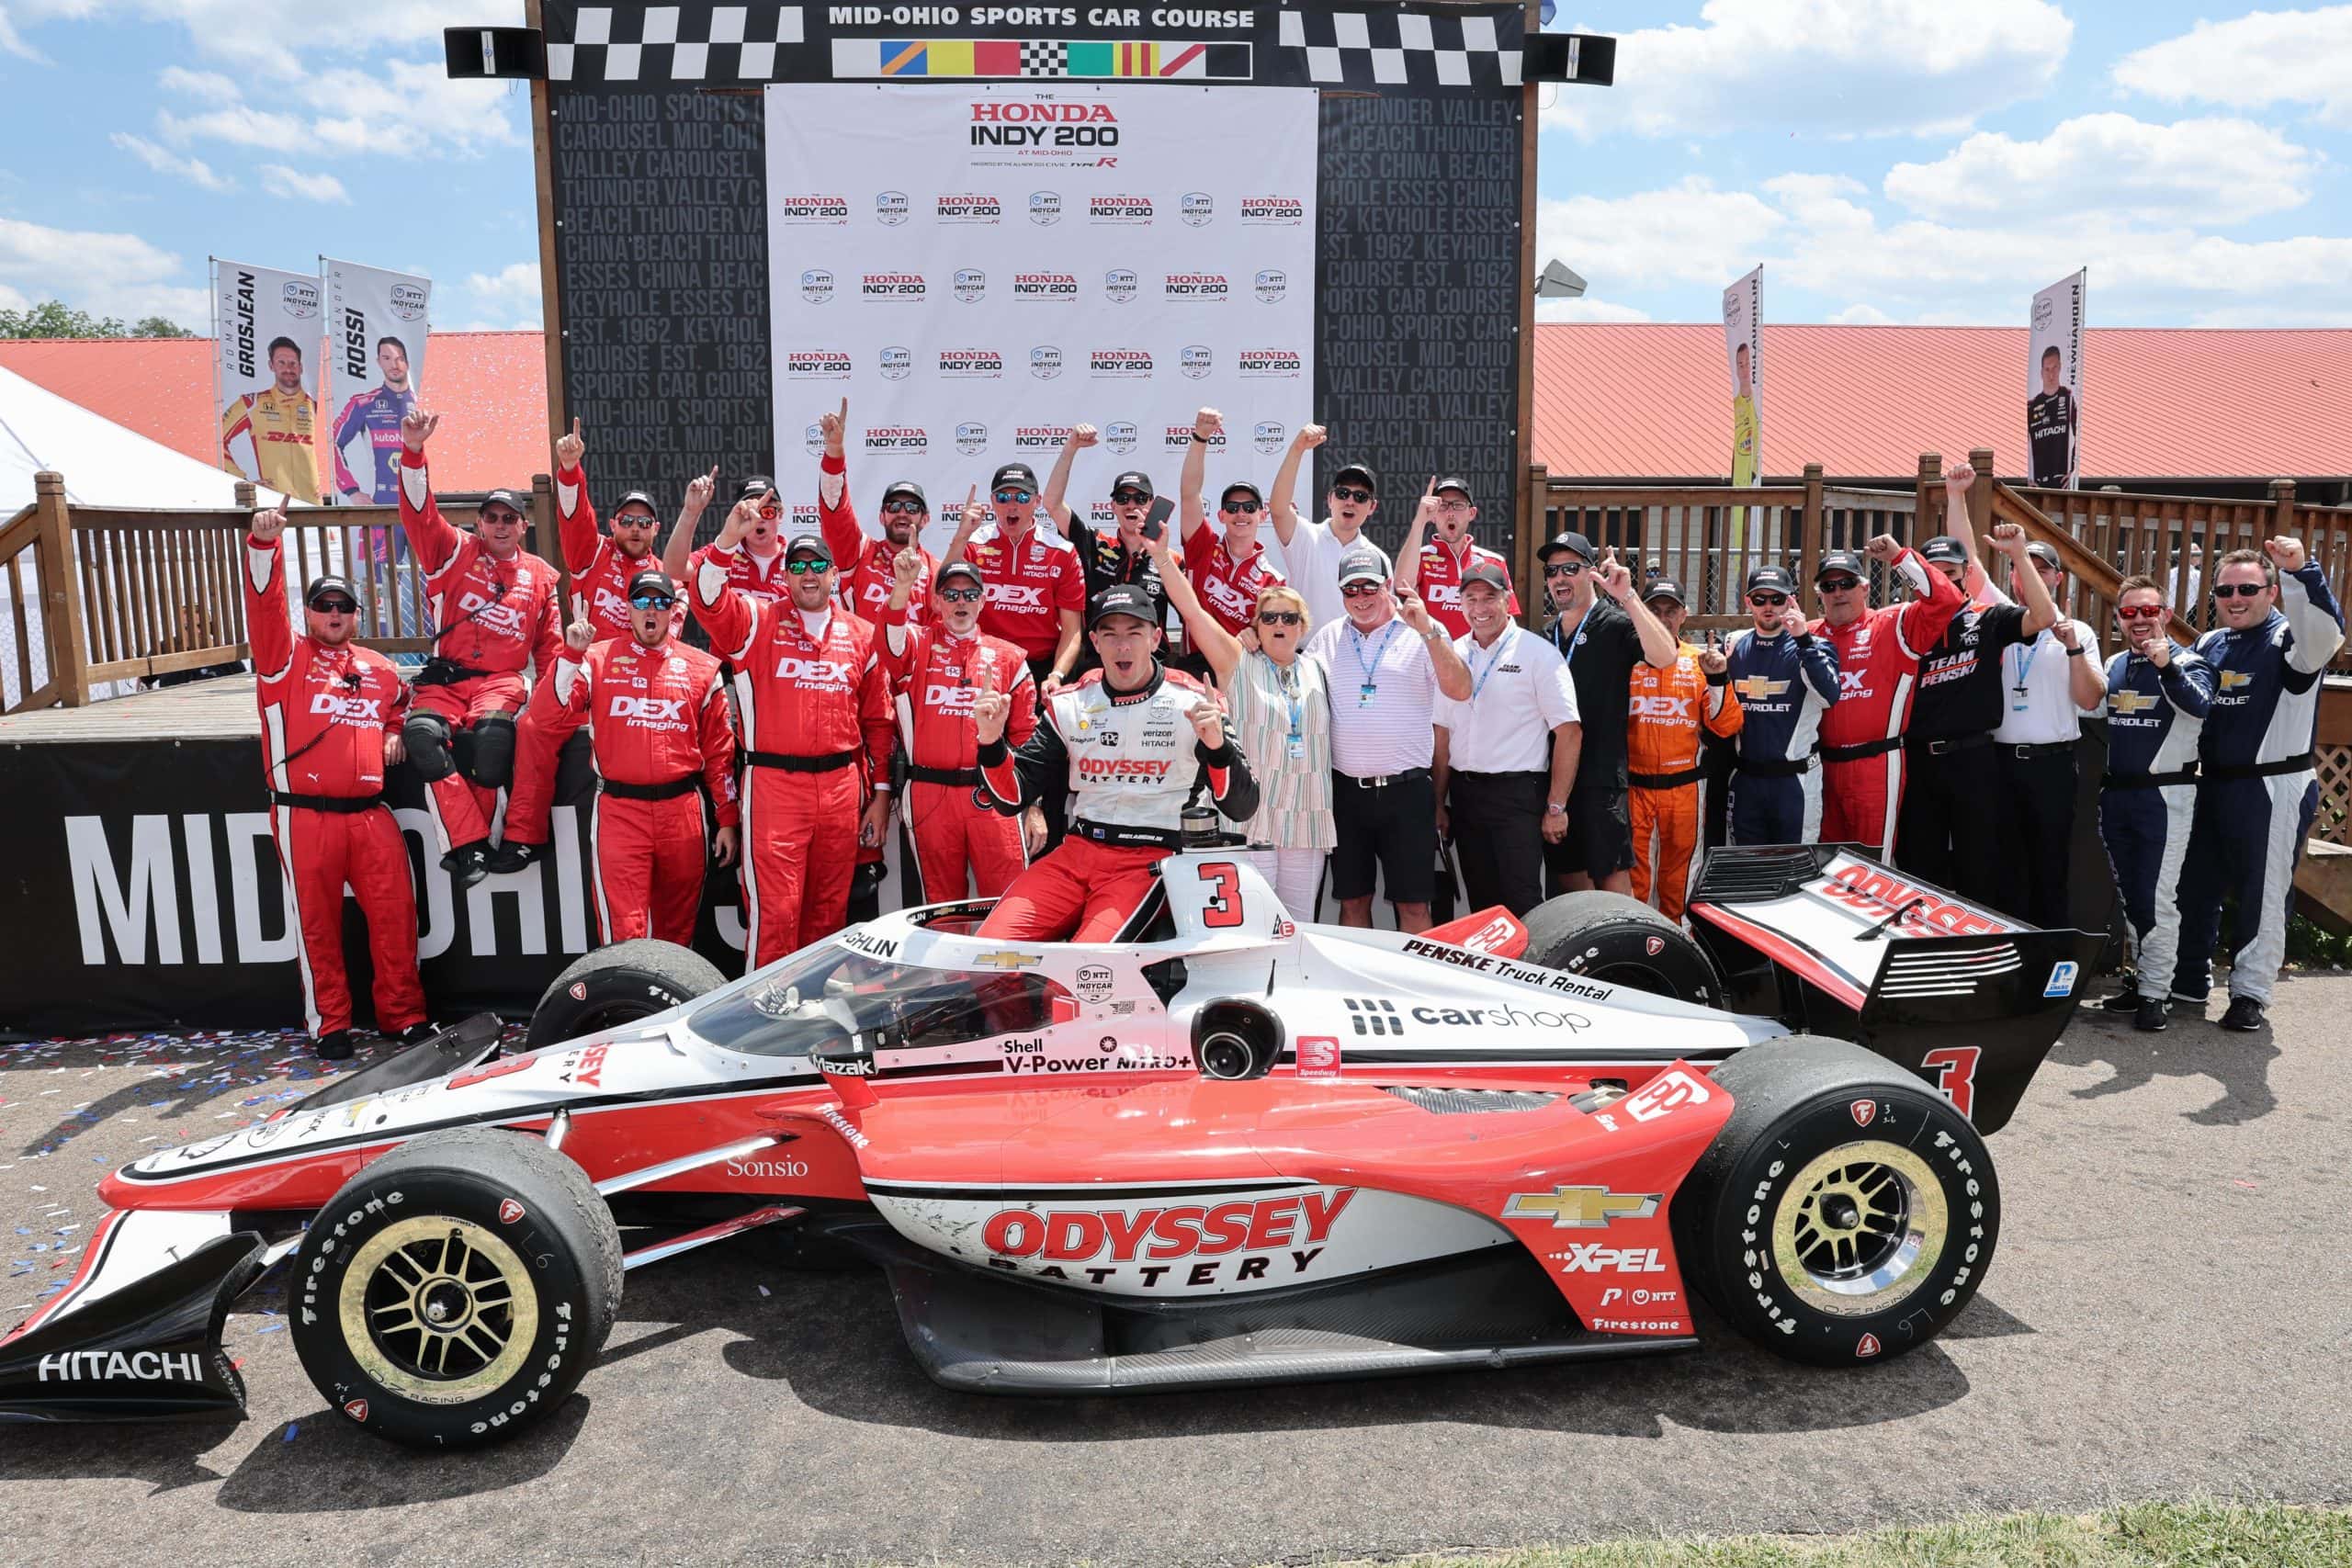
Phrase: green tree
(54,318)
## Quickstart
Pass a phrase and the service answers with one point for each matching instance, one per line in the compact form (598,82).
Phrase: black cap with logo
(1134,479)
(652,579)
(1012,471)
(1571,543)
(1360,472)
(1666,588)
(1944,547)
(907,488)
(1121,599)
(508,499)
(1770,579)
(327,583)
(1845,562)
(637,498)
(959,569)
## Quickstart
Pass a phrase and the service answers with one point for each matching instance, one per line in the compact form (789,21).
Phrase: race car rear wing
(1826,938)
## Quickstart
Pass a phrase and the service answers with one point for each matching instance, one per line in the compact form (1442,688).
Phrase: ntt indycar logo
(816,285)
(1118,286)
(890,208)
(1196,361)
(896,364)
(969,208)
(1040,438)
(816,365)
(816,208)
(1044,362)
(971,284)
(1269,436)
(1118,209)
(1044,285)
(1195,286)
(1265,363)
(812,437)
(1044,206)
(1271,285)
(1119,363)
(904,439)
(1119,437)
(970,364)
(971,440)
(1273,210)
(892,286)
(1196,208)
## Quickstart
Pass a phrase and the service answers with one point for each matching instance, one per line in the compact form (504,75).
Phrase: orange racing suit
(1668,708)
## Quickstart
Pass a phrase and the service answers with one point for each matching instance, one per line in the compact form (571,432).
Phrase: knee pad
(493,762)
(427,735)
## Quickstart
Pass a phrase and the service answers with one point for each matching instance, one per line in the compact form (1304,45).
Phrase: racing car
(1229,1147)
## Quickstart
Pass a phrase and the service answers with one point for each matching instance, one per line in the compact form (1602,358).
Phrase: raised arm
(724,612)
(431,535)
(1285,513)
(575,515)
(836,516)
(1232,786)
(568,689)
(1453,675)
(1617,581)
(678,549)
(2040,610)
(1207,426)
(1920,624)
(1205,632)
(2308,605)
(1010,778)
(1978,582)
(1081,437)
(269,627)
(968,525)
(1409,554)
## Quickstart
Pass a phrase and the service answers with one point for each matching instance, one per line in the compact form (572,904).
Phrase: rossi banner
(979,267)
(376,326)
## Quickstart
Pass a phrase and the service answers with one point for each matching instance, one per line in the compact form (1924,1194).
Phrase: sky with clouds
(1904,161)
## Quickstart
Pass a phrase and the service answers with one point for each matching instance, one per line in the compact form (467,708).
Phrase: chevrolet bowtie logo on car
(1756,686)
(2131,701)
(1581,1208)
(1010,960)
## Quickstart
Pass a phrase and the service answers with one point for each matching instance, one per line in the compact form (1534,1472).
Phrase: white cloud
(1825,67)
(112,275)
(515,284)
(1861,316)
(194,171)
(255,34)
(483,324)
(209,86)
(279,180)
(2223,170)
(1689,232)
(240,124)
(12,43)
(2267,57)
(1586,309)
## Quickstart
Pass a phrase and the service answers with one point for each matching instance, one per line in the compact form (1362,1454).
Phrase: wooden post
(248,498)
(547,543)
(2282,505)
(1537,511)
(1980,495)
(1924,492)
(1809,549)
(61,607)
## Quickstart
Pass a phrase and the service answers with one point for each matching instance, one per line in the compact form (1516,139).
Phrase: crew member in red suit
(935,672)
(328,713)
(814,705)
(1227,564)
(657,715)
(756,564)
(1435,569)
(1135,741)
(493,602)
(602,570)
(1878,654)
(868,565)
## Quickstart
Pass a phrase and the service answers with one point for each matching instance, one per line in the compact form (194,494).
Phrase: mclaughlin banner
(982,266)
(375,327)
(2053,381)
(1744,351)
(265,328)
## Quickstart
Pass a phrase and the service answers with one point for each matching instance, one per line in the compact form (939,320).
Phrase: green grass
(2145,1535)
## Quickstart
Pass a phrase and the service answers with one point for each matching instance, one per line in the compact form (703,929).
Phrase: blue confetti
(292,1427)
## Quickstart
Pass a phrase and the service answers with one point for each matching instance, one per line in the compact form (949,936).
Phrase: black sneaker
(2152,1016)
(335,1046)
(2125,1000)
(418,1035)
(467,864)
(513,856)
(2245,1015)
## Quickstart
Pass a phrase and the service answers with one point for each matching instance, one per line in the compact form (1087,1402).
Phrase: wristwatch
(1554,808)
(1199,437)
(2076,651)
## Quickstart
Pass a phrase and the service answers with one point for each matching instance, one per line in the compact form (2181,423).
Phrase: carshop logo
(816,365)
(1194,287)
(908,286)
(1119,363)
(1268,363)
(1127,210)
(1040,438)
(969,208)
(907,440)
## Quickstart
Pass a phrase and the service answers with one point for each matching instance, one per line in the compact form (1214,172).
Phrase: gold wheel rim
(1859,1228)
(438,1309)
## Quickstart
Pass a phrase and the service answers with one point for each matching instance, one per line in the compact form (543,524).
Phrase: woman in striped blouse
(1278,707)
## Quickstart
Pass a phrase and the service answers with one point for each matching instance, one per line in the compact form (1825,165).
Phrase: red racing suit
(1861,734)
(1131,760)
(324,714)
(867,565)
(1030,583)
(600,576)
(813,707)
(746,573)
(933,679)
(658,718)
(1439,581)
(1229,589)
(496,617)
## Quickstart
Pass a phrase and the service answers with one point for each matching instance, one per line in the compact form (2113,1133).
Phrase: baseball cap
(757,484)
(1487,572)
(1362,566)
(1771,580)
(327,583)
(651,580)
(1845,562)
(2046,553)
(1021,471)
(1666,588)
(1943,547)
(959,569)
(1134,479)
(505,498)
(814,544)
(636,498)
(1360,472)
(1576,544)
(906,487)
(1121,599)
(1453,483)
(1255,494)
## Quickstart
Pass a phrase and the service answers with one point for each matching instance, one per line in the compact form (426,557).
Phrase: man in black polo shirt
(1944,832)
(1602,636)
(1114,555)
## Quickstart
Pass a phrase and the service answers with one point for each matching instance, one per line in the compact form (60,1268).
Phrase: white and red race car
(1228,1148)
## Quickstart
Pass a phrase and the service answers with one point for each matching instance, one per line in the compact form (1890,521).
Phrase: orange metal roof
(491,389)
(1654,400)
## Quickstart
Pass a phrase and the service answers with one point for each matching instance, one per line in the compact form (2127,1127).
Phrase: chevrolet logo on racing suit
(1581,1208)
(2129,702)
(1755,688)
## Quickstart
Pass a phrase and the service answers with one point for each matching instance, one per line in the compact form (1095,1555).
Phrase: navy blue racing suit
(2148,798)
(1785,681)
(378,412)
(2255,789)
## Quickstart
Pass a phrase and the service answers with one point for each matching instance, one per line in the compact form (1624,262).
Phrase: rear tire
(1620,941)
(456,1290)
(618,984)
(1845,1213)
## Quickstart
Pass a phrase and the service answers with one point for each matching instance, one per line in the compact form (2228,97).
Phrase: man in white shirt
(1311,551)
(1387,662)
(1505,755)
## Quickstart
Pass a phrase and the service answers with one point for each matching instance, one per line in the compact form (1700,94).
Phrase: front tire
(618,984)
(456,1289)
(1845,1213)
(1620,941)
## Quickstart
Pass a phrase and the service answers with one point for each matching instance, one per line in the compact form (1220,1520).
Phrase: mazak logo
(1196,208)
(896,364)
(1271,285)
(971,440)
(1195,360)
(1119,437)
(816,365)
(816,285)
(969,208)
(1129,364)
(301,297)
(1118,286)
(1044,206)
(1178,437)
(1039,438)
(812,438)
(1044,285)
(1129,210)
(1269,436)
(892,286)
(970,364)
(901,438)
(816,210)
(971,284)
(1195,286)
(408,301)
(1268,364)
(1273,210)
(890,208)
(1044,362)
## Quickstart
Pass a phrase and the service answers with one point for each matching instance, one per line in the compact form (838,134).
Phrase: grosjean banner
(266,327)
(1744,356)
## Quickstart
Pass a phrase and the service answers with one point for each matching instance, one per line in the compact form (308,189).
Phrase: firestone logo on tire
(815,209)
(1119,209)
(816,365)
(1265,210)
(1264,363)
(969,208)
(1118,286)
(1272,284)
(970,364)
(1269,436)
(816,285)
(1044,362)
(1045,207)
(1129,363)
(1195,286)
(1196,208)
(971,440)
(1195,360)
(908,287)
(891,208)
(906,440)
(1119,437)
(971,284)
(1044,285)
(896,364)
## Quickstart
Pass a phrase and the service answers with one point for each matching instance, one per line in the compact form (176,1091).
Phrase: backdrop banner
(1744,356)
(265,328)
(377,323)
(978,268)
(2054,384)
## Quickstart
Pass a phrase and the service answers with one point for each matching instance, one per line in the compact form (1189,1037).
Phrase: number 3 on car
(1224,908)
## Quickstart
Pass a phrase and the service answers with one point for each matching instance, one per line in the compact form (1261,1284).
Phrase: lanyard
(1502,646)
(2025,659)
(1287,678)
(1370,666)
(1569,649)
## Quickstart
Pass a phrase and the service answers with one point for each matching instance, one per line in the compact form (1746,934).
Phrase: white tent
(104,464)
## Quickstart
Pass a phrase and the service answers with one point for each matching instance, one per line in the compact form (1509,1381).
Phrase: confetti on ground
(292,1427)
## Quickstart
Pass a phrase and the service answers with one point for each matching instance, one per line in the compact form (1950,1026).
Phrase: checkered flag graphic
(1475,51)
(1045,60)
(713,43)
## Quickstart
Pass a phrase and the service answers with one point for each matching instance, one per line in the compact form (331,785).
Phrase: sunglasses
(1767,601)
(1244,508)
(652,601)
(1014,497)
(1565,568)
(334,607)
(1838,584)
(959,595)
(636,520)
(804,566)
(1349,493)
(1124,498)
(904,508)
(2139,612)
(2239,590)
(1453,506)
(1362,590)
(1279,618)
(500,517)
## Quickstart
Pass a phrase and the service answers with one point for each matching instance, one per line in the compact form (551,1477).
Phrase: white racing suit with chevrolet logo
(1133,762)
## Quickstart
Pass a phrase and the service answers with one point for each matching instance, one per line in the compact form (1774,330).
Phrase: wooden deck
(219,709)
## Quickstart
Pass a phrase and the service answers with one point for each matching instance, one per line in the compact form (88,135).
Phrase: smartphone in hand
(1155,522)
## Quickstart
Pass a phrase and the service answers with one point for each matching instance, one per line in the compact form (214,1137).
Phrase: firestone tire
(455,1292)
(1620,941)
(618,984)
(1845,1213)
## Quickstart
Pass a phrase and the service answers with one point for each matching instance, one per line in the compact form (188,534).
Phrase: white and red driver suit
(933,677)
